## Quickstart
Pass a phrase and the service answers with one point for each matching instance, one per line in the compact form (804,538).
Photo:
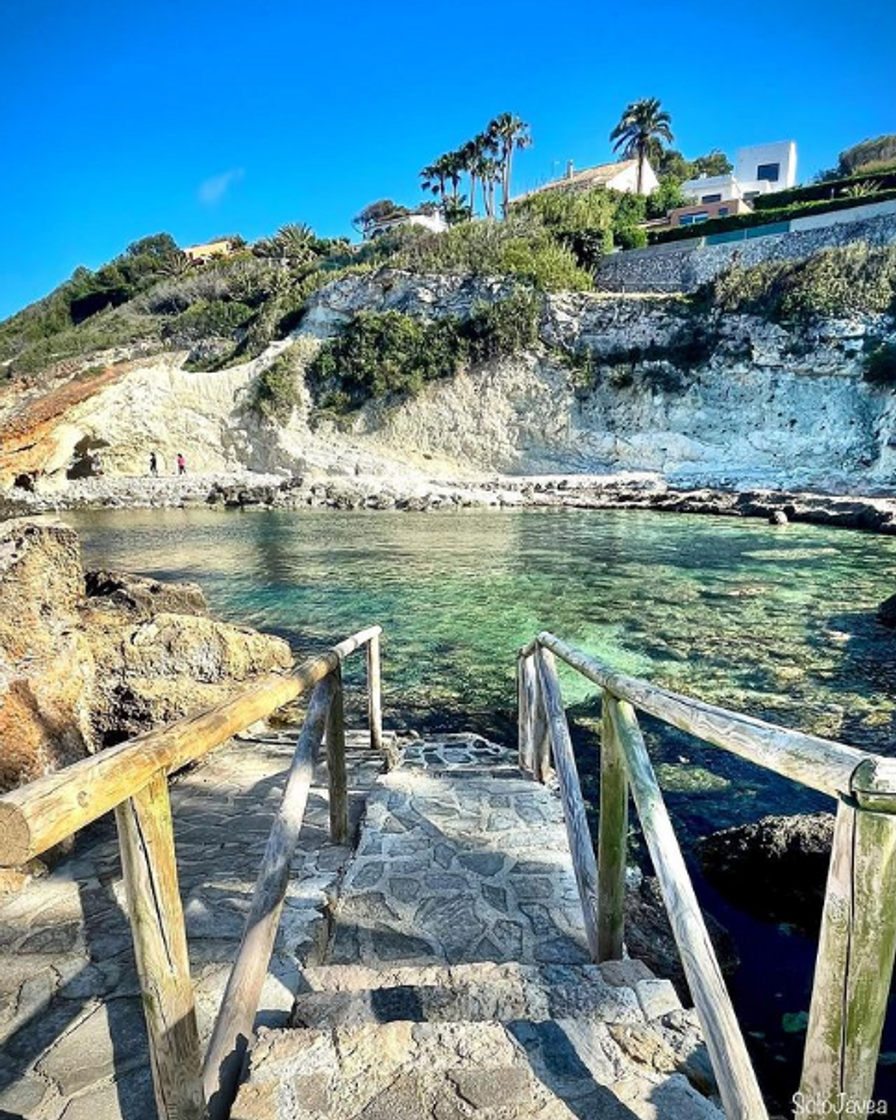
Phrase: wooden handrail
(731,1064)
(233,1026)
(132,779)
(821,764)
(48,810)
(857,944)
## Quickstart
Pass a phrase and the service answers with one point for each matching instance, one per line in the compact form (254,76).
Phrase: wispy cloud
(213,190)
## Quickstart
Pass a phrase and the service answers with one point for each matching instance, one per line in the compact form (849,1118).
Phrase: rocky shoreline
(248,490)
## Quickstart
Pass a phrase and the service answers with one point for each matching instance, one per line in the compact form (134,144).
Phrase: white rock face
(772,407)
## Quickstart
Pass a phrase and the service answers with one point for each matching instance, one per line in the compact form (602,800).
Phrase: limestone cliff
(695,396)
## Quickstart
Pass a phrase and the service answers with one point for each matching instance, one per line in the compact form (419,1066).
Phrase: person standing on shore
(181,463)
(153,464)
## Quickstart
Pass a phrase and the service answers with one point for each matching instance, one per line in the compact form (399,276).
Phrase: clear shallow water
(777,622)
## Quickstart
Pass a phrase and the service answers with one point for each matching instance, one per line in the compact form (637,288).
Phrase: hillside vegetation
(226,312)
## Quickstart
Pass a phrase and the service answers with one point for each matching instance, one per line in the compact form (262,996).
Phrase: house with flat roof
(620,176)
(759,169)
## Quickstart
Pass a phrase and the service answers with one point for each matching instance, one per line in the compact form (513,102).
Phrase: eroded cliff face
(699,398)
(89,662)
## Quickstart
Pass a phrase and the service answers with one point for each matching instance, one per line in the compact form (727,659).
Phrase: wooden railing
(132,780)
(854,965)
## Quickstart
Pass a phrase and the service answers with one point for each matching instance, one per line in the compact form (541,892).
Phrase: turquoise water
(777,622)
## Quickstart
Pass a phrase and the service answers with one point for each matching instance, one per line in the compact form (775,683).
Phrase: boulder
(90,661)
(171,665)
(46,664)
(776,868)
(140,598)
(886,612)
(649,937)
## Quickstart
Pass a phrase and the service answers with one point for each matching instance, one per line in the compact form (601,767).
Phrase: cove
(776,622)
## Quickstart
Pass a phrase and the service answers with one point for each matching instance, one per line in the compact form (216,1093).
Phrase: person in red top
(181,464)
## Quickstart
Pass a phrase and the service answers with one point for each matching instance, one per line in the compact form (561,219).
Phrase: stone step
(557,1070)
(349,995)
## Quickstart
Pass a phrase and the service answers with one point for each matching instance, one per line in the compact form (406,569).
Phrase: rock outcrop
(86,662)
(776,867)
(886,612)
(613,384)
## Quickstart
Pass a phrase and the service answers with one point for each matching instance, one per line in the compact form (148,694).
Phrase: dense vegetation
(869,156)
(380,355)
(880,364)
(854,279)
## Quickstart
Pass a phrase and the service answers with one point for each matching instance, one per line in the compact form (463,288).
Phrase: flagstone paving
(71,1023)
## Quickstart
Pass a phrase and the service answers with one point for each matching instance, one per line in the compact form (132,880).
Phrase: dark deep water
(776,622)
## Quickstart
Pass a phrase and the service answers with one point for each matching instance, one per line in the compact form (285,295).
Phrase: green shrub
(204,319)
(277,389)
(879,366)
(631,237)
(853,279)
(504,327)
(111,328)
(520,246)
(386,354)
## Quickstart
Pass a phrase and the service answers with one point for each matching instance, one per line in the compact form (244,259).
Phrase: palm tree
(643,130)
(511,133)
(468,161)
(295,241)
(433,177)
(453,167)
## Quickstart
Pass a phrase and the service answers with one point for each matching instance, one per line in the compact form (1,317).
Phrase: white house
(759,169)
(621,176)
(434,222)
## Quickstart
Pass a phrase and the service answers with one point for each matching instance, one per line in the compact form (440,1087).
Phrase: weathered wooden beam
(233,1027)
(338,778)
(160,945)
(539,735)
(612,842)
(874,784)
(731,1064)
(524,740)
(854,966)
(375,693)
(821,764)
(49,810)
(580,845)
(355,641)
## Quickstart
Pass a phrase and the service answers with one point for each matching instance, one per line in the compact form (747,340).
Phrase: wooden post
(580,844)
(539,732)
(233,1027)
(854,966)
(338,780)
(731,1064)
(525,682)
(374,693)
(612,842)
(146,840)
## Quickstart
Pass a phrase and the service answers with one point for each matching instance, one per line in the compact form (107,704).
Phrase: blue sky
(200,117)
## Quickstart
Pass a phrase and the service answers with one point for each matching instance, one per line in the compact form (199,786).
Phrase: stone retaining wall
(682,266)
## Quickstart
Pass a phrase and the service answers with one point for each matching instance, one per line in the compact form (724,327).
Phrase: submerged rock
(886,612)
(90,661)
(776,868)
(649,937)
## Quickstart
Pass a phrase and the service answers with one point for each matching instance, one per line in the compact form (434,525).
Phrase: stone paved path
(71,1024)
(457,982)
(462,858)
